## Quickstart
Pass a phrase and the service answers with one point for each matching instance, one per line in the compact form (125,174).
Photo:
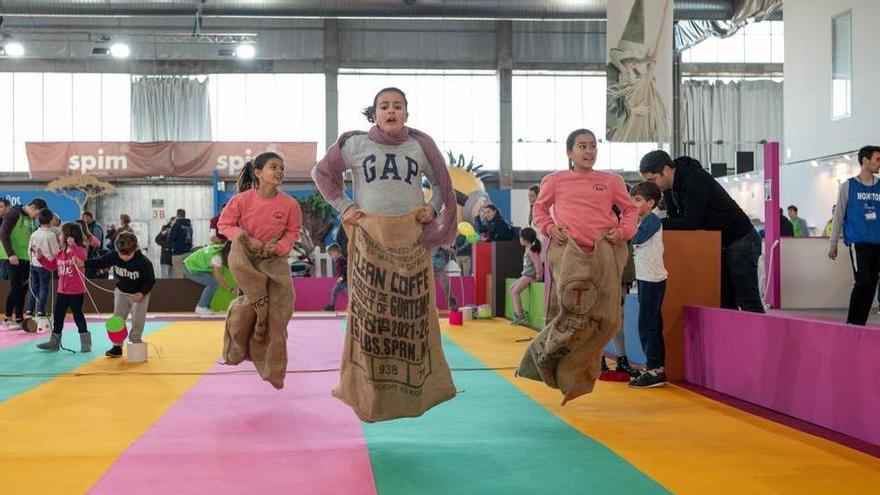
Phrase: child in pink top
(71,286)
(270,219)
(582,199)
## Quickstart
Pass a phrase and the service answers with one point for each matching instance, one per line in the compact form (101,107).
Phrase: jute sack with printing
(392,363)
(583,315)
(256,323)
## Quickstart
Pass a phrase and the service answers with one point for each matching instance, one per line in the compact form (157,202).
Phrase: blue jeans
(337,289)
(40,280)
(739,274)
(203,278)
(651,322)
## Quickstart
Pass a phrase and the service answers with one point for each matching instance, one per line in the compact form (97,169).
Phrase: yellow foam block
(684,441)
(62,436)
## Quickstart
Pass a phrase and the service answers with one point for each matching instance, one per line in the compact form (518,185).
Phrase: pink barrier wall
(313,293)
(822,372)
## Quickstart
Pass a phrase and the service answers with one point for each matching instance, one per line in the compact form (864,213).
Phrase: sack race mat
(256,324)
(392,364)
(583,315)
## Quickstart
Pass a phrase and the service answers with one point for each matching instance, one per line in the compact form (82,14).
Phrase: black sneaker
(330,307)
(115,352)
(623,365)
(603,367)
(649,379)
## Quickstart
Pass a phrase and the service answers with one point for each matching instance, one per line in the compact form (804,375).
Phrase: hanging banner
(48,161)
(115,160)
(639,71)
(199,159)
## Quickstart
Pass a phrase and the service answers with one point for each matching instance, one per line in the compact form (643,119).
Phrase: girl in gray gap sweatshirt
(387,165)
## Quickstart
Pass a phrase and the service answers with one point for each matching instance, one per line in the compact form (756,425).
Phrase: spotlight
(245,50)
(847,158)
(13,49)
(120,50)
(814,163)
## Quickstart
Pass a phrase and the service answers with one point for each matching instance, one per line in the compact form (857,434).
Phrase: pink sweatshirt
(262,219)
(582,202)
(70,278)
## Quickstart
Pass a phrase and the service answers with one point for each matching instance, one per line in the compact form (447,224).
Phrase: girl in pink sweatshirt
(269,218)
(71,286)
(582,199)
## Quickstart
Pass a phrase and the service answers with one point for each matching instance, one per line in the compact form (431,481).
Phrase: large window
(841,66)
(60,107)
(758,42)
(267,107)
(459,109)
(547,106)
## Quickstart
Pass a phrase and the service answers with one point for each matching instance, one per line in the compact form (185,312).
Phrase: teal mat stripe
(493,439)
(26,359)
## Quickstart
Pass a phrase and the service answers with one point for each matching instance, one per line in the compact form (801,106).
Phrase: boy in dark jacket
(134,280)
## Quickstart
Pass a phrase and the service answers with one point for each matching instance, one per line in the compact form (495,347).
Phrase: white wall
(805,268)
(809,130)
(812,189)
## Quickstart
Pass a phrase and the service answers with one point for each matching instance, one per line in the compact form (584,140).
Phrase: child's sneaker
(115,352)
(623,365)
(204,311)
(520,319)
(649,379)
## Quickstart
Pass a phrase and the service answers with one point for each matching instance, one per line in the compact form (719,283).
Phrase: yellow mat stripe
(62,436)
(686,442)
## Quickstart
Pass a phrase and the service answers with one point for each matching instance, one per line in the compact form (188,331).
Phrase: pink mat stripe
(236,434)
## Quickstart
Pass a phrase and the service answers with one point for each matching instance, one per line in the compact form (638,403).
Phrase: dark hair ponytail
(247,179)
(370,111)
(530,235)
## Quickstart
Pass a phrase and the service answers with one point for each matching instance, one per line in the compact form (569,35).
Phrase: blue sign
(64,207)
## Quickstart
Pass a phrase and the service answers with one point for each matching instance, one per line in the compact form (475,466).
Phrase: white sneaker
(13,325)
(203,311)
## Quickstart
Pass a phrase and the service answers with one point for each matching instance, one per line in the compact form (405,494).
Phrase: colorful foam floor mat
(181,423)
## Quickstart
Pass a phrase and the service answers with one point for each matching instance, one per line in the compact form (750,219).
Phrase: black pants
(18,286)
(74,302)
(739,274)
(651,322)
(866,266)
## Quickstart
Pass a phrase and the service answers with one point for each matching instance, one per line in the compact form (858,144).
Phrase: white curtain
(739,114)
(170,109)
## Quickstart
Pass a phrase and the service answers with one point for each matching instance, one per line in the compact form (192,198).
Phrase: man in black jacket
(696,201)
(180,239)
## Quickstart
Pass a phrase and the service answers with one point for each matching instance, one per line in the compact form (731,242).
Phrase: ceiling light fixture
(245,51)
(13,49)
(120,50)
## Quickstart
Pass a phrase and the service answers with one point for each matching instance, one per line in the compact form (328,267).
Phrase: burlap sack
(392,363)
(583,315)
(256,324)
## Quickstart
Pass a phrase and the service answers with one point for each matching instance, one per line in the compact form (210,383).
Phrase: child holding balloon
(71,287)
(134,280)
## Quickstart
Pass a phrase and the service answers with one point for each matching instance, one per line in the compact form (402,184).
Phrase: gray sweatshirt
(840,211)
(387,179)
